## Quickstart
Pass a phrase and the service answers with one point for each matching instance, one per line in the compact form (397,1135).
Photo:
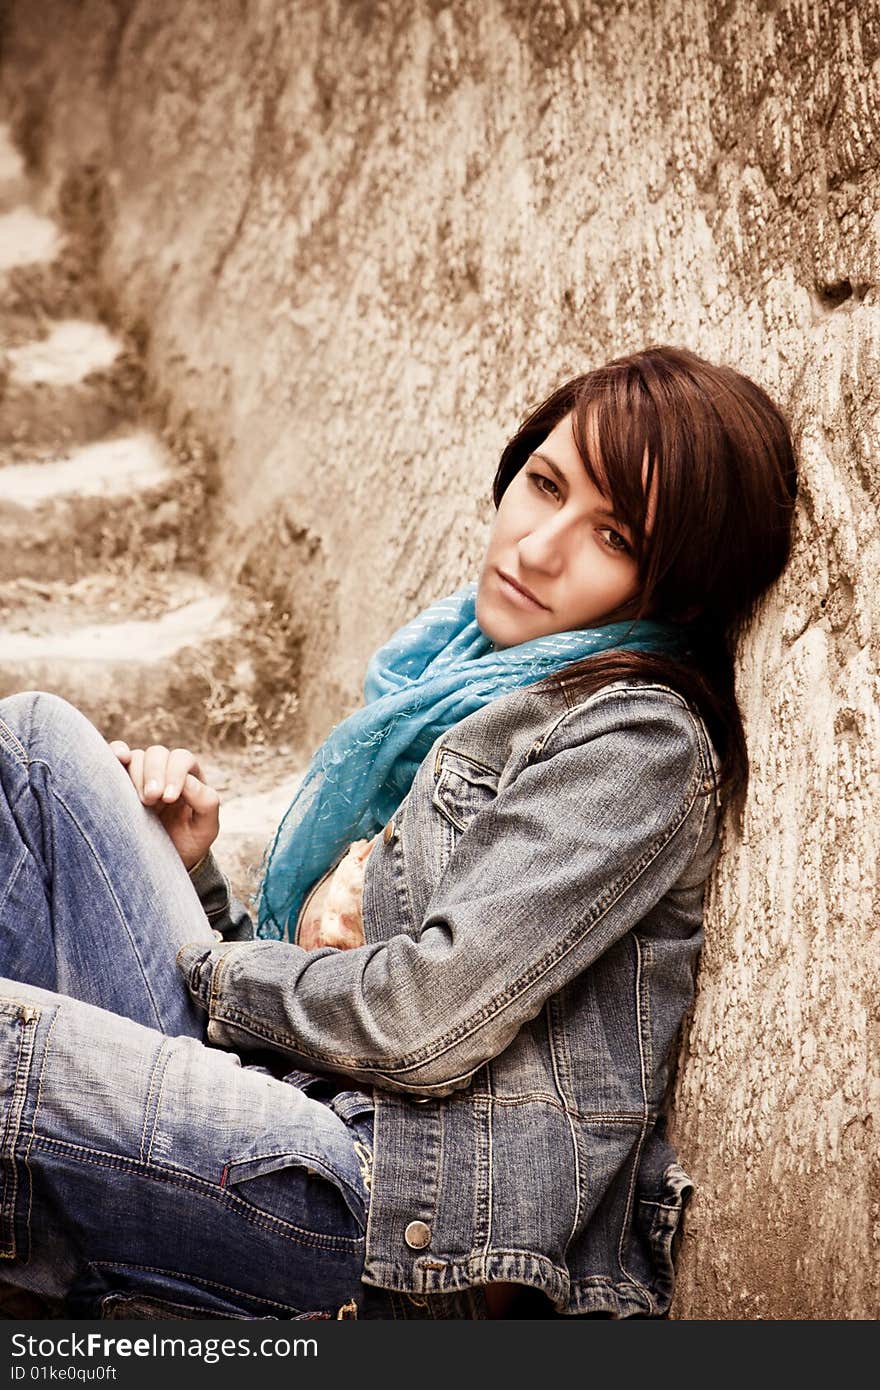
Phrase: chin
(502,629)
(483,615)
(491,626)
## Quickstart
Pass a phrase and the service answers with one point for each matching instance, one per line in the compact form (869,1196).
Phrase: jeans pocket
(131,1305)
(303,1190)
(121,1291)
(18,1026)
(660,1219)
(125,1305)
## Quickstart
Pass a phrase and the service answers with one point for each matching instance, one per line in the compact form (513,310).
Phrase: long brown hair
(726,485)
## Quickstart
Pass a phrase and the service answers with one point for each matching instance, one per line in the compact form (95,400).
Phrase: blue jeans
(143,1172)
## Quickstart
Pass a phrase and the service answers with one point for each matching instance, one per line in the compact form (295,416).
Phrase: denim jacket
(532,919)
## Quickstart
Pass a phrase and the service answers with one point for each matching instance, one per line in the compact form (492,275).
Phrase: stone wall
(362,239)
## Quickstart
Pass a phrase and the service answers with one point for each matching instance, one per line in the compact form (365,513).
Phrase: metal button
(389,832)
(422,1100)
(417,1235)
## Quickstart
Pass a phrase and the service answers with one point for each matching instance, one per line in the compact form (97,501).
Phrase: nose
(542,550)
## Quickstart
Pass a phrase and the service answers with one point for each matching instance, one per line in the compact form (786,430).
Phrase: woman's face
(553,533)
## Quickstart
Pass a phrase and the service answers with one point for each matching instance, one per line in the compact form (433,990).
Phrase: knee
(31,712)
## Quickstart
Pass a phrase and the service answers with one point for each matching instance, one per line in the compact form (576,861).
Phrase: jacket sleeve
(228,917)
(561,864)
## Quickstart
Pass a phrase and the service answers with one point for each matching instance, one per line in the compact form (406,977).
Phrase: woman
(462,1112)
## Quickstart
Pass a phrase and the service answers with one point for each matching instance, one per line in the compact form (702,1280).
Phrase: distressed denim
(142,1172)
(533,918)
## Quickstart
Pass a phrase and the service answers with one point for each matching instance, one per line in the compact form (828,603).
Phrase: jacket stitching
(644,1001)
(444,800)
(460,1275)
(214,991)
(490,1175)
(573,1132)
(378,1140)
(627,1215)
(447,842)
(616,692)
(393,1066)
(597,1117)
(447,748)
(538,1267)
(399,877)
(608,692)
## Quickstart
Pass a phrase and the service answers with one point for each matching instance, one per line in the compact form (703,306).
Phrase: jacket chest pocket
(462,788)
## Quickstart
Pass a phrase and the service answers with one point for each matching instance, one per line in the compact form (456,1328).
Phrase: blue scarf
(434,671)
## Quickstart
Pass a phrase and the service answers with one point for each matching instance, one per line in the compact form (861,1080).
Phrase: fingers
(155,763)
(180,763)
(160,774)
(204,800)
(164,773)
(136,770)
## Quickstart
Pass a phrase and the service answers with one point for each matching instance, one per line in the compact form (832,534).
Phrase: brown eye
(540,480)
(622,548)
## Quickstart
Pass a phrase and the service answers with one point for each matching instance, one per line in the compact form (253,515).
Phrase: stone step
(136,642)
(59,516)
(71,350)
(160,677)
(48,267)
(27,238)
(75,384)
(123,464)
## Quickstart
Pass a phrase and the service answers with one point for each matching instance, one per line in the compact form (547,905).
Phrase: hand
(171,783)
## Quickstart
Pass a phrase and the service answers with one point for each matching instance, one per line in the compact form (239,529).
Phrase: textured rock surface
(365,237)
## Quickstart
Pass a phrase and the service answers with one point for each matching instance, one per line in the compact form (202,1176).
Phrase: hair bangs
(615,425)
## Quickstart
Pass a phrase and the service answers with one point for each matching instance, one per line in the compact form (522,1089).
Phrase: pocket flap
(462,786)
(244,1170)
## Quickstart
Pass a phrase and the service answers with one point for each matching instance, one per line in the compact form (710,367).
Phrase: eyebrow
(554,467)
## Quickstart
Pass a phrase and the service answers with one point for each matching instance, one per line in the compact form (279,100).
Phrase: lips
(520,589)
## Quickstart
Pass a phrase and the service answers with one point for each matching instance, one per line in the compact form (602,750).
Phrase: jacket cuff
(194,963)
(207,877)
(229,918)
(198,965)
